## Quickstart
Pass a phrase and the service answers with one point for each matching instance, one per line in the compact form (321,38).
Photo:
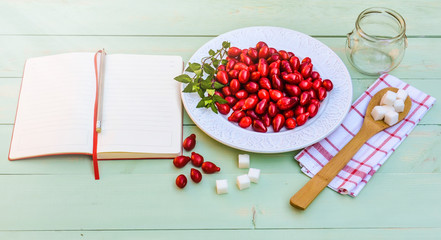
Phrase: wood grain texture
(174,17)
(311,234)
(152,201)
(416,64)
(388,200)
(424,140)
(10,88)
(57,198)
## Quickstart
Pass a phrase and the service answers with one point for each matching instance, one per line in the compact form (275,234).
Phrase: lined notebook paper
(55,111)
(142,115)
(140,107)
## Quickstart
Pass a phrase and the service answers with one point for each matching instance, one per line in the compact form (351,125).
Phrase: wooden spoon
(370,127)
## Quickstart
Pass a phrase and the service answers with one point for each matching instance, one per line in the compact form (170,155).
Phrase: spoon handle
(313,187)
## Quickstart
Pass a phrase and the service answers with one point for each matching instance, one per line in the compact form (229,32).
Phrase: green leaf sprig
(203,80)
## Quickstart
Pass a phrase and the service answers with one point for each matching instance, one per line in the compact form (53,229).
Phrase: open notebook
(141,109)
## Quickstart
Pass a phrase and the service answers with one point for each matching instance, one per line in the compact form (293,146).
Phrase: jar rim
(390,12)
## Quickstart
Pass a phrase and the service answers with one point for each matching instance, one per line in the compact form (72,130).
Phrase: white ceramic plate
(332,110)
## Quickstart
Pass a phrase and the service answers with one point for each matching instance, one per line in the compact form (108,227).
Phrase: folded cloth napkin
(372,155)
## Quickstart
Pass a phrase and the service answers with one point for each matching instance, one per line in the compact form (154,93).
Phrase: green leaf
(189,88)
(201,103)
(218,85)
(201,92)
(197,79)
(219,99)
(184,78)
(198,72)
(208,69)
(215,63)
(208,101)
(195,66)
(213,108)
(206,84)
(211,92)
(203,85)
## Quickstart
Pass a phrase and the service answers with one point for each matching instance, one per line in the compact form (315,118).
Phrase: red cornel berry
(209,167)
(195,175)
(181,181)
(234,52)
(267,89)
(196,159)
(222,77)
(181,161)
(328,84)
(189,142)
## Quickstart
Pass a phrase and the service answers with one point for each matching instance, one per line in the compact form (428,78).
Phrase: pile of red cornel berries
(196,159)
(265,87)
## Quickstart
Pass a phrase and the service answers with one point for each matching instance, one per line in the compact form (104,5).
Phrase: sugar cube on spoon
(390,105)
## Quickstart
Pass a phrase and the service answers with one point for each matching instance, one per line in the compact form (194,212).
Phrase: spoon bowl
(375,101)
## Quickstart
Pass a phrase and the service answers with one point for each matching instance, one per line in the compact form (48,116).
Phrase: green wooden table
(57,197)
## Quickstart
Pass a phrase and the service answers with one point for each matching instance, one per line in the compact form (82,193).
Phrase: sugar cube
(254,175)
(391,118)
(388,108)
(378,113)
(399,105)
(221,186)
(243,181)
(401,94)
(244,160)
(388,98)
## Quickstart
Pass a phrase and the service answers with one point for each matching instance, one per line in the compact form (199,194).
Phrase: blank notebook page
(56,106)
(141,105)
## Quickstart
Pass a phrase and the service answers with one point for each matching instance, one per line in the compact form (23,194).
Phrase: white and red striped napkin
(375,151)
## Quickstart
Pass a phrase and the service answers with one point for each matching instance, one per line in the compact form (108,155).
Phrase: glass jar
(378,42)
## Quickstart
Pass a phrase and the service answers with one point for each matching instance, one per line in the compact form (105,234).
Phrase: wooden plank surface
(10,88)
(425,140)
(152,201)
(312,234)
(416,63)
(388,201)
(174,17)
